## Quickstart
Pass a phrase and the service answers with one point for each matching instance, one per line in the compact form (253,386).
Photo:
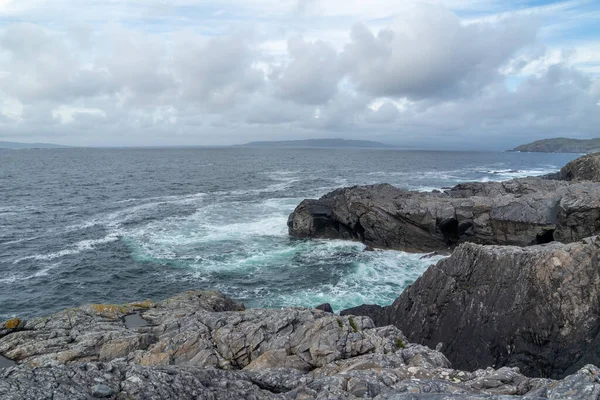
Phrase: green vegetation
(353,324)
(561,145)
(400,344)
(340,323)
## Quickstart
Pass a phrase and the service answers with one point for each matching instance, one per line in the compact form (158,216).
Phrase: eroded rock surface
(202,345)
(519,212)
(537,308)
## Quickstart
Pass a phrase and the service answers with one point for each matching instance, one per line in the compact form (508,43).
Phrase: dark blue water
(117,225)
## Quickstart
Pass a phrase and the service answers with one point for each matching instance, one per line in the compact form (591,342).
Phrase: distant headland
(322,143)
(17,145)
(561,145)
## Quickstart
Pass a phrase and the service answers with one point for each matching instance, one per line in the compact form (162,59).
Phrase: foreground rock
(536,308)
(201,345)
(520,212)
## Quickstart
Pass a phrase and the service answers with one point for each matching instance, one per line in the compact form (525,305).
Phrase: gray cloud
(216,71)
(312,74)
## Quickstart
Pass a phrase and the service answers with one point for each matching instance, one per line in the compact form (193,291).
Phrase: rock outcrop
(586,168)
(202,345)
(520,212)
(536,308)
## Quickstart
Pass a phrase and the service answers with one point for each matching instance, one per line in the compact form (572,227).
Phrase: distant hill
(17,145)
(561,145)
(323,143)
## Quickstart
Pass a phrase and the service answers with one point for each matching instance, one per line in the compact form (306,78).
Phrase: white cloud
(67,114)
(413,59)
(11,108)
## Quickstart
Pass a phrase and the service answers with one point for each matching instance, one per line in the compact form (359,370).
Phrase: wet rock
(325,307)
(520,212)
(135,320)
(5,362)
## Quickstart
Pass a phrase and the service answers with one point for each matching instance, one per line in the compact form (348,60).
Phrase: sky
(442,74)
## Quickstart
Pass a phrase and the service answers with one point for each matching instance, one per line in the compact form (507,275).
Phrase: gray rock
(201,345)
(186,330)
(586,168)
(102,391)
(536,308)
(520,212)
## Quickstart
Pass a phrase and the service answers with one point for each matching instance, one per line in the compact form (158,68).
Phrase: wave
(42,272)
(79,247)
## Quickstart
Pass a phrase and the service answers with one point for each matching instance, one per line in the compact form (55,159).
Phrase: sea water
(118,225)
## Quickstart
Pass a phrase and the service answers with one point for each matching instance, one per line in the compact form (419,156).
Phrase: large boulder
(586,168)
(520,212)
(536,308)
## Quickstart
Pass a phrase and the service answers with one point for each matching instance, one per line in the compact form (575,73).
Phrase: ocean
(84,226)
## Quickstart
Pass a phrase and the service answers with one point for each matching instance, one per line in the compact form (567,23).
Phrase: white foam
(507,174)
(20,240)
(377,280)
(42,272)
(79,247)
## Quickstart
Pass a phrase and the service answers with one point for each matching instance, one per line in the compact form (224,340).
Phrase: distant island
(17,145)
(323,143)
(561,145)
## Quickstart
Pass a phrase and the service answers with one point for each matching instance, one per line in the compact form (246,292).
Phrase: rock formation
(202,345)
(520,212)
(586,168)
(536,308)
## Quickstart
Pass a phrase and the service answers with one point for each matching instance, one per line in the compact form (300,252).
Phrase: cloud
(196,72)
(312,74)
(67,114)
(430,53)
(216,72)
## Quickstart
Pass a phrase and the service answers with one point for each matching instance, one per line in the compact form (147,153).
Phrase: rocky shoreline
(513,313)
(202,345)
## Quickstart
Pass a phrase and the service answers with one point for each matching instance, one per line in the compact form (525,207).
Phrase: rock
(202,345)
(381,377)
(325,307)
(202,329)
(102,391)
(375,312)
(586,168)
(520,212)
(535,308)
